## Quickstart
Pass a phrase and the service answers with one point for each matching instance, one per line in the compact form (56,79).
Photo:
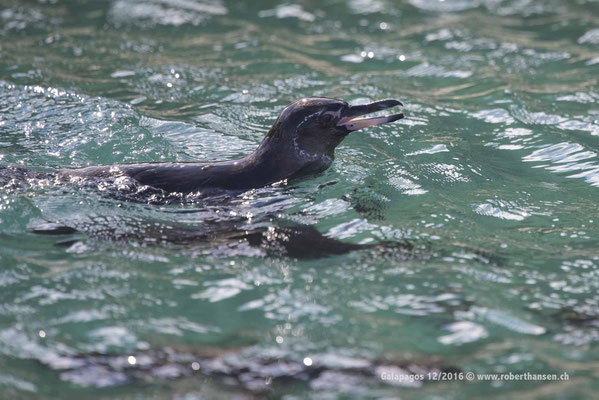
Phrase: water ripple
(501,106)
(567,156)
(164,12)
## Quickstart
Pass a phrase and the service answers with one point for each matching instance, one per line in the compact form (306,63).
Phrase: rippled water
(493,175)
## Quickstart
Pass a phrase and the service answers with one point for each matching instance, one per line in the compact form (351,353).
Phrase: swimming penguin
(301,142)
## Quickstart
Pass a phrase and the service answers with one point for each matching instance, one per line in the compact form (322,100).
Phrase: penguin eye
(325,119)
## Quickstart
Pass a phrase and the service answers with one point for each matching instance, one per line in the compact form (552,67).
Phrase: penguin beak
(352,119)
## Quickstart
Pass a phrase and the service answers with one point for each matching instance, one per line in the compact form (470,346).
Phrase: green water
(494,172)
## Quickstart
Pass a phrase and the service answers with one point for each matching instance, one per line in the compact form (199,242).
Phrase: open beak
(352,119)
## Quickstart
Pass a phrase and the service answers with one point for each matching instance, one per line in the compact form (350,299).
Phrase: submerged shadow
(274,238)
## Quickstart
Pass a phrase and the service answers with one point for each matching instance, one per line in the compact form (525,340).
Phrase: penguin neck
(278,157)
(268,164)
(283,157)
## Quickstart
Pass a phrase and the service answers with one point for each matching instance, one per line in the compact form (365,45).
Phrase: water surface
(494,172)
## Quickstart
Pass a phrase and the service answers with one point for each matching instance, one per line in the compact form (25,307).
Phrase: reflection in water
(567,157)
